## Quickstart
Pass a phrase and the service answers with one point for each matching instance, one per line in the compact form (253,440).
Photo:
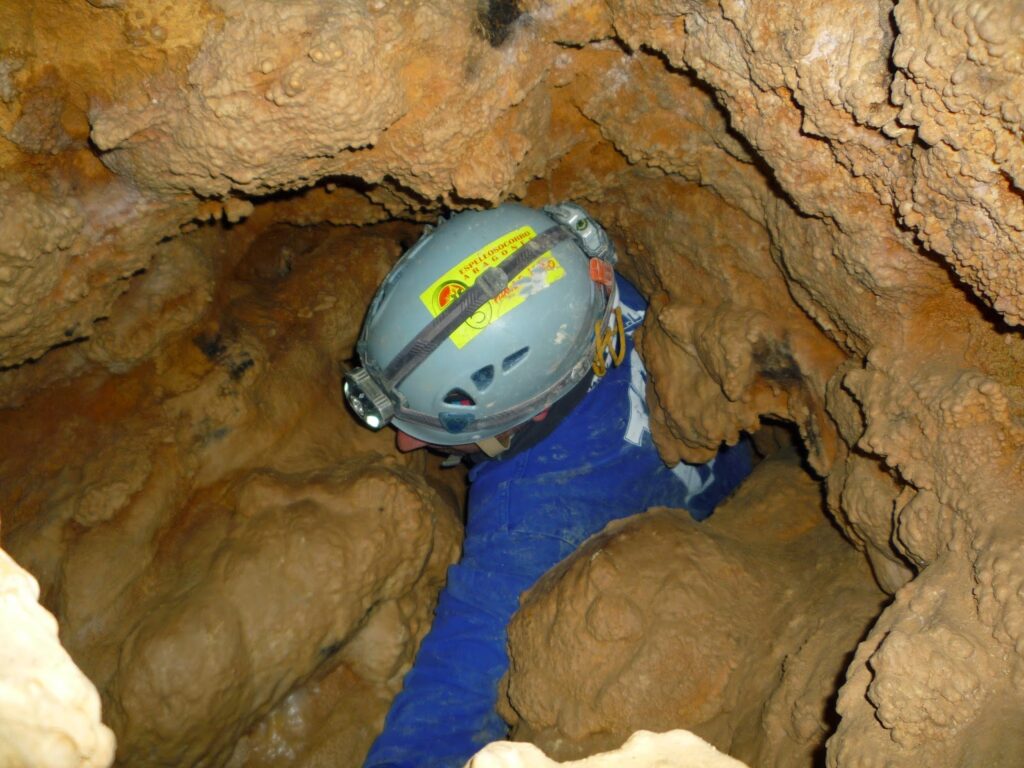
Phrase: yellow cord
(605,340)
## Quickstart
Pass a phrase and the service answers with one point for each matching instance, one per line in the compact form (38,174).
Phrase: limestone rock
(270,551)
(735,628)
(49,711)
(351,98)
(673,749)
(821,199)
(272,596)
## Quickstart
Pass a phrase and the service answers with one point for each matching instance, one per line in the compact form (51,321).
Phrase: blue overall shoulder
(446,709)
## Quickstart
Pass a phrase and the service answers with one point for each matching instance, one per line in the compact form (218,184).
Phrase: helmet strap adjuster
(494,446)
(601,272)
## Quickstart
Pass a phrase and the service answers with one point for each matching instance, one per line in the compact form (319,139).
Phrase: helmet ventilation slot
(483,377)
(458,397)
(514,359)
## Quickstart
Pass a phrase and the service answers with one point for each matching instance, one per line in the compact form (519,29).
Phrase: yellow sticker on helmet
(537,276)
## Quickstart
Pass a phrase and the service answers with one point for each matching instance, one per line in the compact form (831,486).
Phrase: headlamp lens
(366,399)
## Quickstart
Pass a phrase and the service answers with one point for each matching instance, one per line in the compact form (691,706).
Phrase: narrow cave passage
(215,520)
(819,202)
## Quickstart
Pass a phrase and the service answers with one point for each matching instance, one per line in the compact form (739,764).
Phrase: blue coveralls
(526,513)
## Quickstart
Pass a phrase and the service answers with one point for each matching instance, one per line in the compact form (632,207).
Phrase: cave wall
(742,640)
(822,199)
(230,556)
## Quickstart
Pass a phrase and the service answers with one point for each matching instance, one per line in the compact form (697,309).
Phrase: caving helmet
(484,323)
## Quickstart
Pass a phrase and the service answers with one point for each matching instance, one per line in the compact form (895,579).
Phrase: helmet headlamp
(370,403)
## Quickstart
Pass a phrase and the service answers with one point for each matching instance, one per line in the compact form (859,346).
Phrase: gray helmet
(484,323)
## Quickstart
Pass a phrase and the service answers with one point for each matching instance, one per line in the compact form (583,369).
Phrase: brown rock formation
(738,627)
(822,200)
(216,532)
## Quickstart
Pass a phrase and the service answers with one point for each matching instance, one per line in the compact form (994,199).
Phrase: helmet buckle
(612,341)
(602,272)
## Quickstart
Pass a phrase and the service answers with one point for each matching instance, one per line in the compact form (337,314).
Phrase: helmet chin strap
(493,446)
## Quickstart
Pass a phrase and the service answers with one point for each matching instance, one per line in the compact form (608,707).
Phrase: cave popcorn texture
(822,200)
